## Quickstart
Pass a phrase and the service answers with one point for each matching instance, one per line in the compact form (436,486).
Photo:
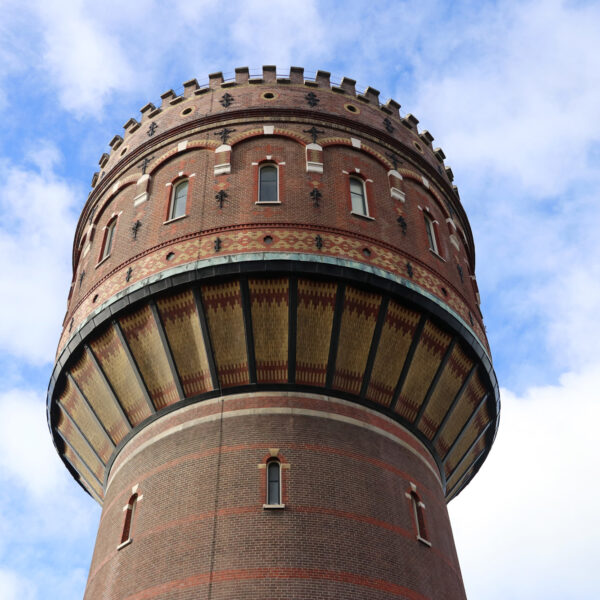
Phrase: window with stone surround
(178,204)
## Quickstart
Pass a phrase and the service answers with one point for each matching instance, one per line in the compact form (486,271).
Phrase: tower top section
(273,233)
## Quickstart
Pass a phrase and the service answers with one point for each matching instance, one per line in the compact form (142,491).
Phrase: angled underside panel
(80,444)
(316,305)
(141,332)
(426,360)
(91,384)
(359,318)
(182,327)
(396,336)
(111,355)
(72,402)
(269,300)
(460,415)
(455,372)
(224,315)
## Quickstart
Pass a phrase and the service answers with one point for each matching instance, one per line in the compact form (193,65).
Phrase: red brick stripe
(278,573)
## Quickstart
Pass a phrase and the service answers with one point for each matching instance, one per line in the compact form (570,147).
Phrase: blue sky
(510,91)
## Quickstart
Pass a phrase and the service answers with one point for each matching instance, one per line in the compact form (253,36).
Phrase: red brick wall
(347,529)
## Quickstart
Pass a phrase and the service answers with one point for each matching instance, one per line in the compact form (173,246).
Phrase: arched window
(129,514)
(267,184)
(273,482)
(178,200)
(430,233)
(109,235)
(419,518)
(358,196)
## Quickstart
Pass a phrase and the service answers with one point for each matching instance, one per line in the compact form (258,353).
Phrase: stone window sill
(369,218)
(125,543)
(175,219)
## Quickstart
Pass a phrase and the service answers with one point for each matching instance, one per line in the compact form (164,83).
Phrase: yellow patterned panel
(481,420)
(110,354)
(426,360)
(460,415)
(87,480)
(456,371)
(82,415)
(396,335)
(76,440)
(94,388)
(141,332)
(182,327)
(223,308)
(465,466)
(359,318)
(316,304)
(270,310)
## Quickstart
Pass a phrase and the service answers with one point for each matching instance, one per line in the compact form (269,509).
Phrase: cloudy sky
(511,92)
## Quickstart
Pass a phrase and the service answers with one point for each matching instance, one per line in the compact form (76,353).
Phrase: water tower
(273,373)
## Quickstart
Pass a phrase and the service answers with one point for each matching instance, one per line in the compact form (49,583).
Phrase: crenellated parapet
(203,100)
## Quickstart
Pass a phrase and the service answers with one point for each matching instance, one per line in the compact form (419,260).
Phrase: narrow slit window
(358,196)
(129,514)
(179,200)
(430,234)
(109,235)
(274,482)
(267,185)
(419,517)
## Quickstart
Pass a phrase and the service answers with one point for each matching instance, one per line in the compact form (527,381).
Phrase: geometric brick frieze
(290,332)
(250,240)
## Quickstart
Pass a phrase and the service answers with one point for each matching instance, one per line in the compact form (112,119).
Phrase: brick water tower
(273,373)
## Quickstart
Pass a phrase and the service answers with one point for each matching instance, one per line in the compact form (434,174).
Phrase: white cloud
(84,59)
(15,587)
(527,525)
(36,232)
(516,91)
(27,456)
(280,33)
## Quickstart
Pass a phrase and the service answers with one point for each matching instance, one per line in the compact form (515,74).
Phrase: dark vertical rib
(134,367)
(87,442)
(466,454)
(374,345)
(466,426)
(407,361)
(292,328)
(335,333)
(80,458)
(207,342)
(458,396)
(460,483)
(95,417)
(247,312)
(434,382)
(109,387)
(167,349)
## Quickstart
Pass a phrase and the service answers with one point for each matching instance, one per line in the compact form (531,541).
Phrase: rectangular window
(358,196)
(108,239)
(267,184)
(430,234)
(179,200)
